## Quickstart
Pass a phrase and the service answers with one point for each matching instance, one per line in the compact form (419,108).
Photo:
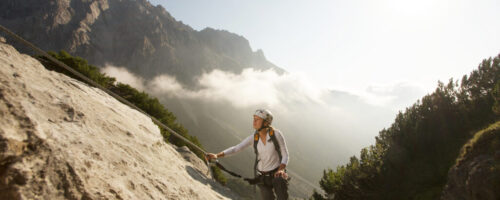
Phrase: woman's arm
(237,148)
(283,149)
(284,156)
(232,150)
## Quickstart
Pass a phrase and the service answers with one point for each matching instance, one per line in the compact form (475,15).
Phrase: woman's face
(257,122)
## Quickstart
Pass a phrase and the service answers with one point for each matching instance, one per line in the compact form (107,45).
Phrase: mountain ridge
(136,35)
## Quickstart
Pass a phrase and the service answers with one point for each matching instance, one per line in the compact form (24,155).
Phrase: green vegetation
(243,189)
(142,100)
(484,142)
(411,158)
(476,172)
(217,173)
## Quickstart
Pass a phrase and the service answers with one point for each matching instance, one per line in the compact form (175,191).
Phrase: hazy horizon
(389,52)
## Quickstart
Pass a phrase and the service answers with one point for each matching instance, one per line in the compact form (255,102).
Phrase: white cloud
(124,76)
(396,96)
(253,87)
(266,88)
(166,84)
(250,88)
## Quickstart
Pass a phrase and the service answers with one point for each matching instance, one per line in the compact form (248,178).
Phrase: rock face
(130,33)
(61,139)
(476,175)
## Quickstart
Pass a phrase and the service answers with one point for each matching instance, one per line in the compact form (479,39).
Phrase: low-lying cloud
(397,96)
(124,76)
(250,88)
(265,88)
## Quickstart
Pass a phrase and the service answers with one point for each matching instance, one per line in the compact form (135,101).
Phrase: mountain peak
(136,35)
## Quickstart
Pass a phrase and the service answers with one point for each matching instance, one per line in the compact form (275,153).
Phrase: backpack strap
(256,141)
(275,142)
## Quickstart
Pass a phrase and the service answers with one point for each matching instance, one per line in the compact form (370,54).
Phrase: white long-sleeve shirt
(269,158)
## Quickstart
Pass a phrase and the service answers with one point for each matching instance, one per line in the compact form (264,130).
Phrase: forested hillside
(411,158)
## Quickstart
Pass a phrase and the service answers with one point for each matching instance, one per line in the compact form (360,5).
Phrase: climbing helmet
(264,114)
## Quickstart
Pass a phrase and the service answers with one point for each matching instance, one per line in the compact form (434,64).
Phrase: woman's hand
(281,173)
(211,156)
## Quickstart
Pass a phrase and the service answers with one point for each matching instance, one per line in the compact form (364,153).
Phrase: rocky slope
(148,41)
(130,33)
(476,175)
(61,139)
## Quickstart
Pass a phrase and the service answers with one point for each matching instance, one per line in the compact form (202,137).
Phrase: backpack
(256,141)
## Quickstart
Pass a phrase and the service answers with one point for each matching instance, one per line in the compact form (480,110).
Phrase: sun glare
(411,8)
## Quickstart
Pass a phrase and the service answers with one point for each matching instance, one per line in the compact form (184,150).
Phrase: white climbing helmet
(264,114)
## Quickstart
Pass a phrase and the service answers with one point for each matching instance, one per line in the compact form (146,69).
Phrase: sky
(373,48)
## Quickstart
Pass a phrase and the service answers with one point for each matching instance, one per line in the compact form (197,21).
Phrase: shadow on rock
(202,178)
